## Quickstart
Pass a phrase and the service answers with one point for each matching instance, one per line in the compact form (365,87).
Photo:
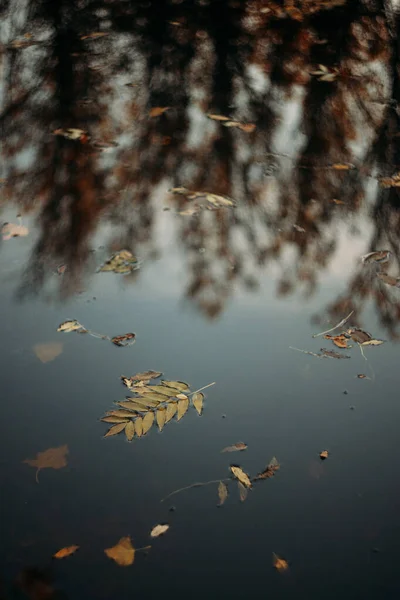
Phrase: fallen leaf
(336,201)
(388,279)
(48,351)
(116,419)
(72,133)
(381,256)
(124,340)
(342,166)
(121,262)
(123,552)
(71,325)
(332,354)
(176,385)
(197,400)
(148,421)
(171,410)
(156,111)
(372,343)
(269,470)
(61,269)
(222,493)
(242,491)
(139,426)
(94,35)
(10,230)
(279,563)
(324,454)
(181,396)
(241,475)
(238,447)
(53,458)
(152,396)
(64,552)
(218,117)
(146,402)
(183,405)
(359,335)
(146,375)
(133,406)
(160,417)
(202,200)
(120,413)
(163,390)
(130,431)
(116,429)
(361,376)
(388,182)
(339,340)
(158,530)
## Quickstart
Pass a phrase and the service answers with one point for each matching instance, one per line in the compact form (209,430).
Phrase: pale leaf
(139,426)
(123,552)
(48,351)
(130,431)
(172,407)
(158,530)
(10,230)
(198,399)
(183,405)
(372,343)
(241,475)
(222,493)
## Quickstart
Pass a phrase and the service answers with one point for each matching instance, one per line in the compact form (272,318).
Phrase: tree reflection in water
(249,60)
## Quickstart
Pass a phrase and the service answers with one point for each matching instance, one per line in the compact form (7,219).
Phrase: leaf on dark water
(48,351)
(279,563)
(53,458)
(130,431)
(222,493)
(67,551)
(146,375)
(269,471)
(243,492)
(116,429)
(203,200)
(121,262)
(157,111)
(240,475)
(70,325)
(159,530)
(359,335)
(171,410)
(139,426)
(133,406)
(148,421)
(183,406)
(116,419)
(94,35)
(381,256)
(73,133)
(11,230)
(238,447)
(388,279)
(124,340)
(197,401)
(246,127)
(176,385)
(332,354)
(163,390)
(324,73)
(123,553)
(339,340)
(361,376)
(373,342)
(324,455)
(161,417)
(388,182)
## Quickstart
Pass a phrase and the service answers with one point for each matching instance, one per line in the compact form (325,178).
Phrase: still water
(306,152)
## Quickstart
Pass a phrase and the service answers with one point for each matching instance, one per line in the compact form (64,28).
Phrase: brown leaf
(388,279)
(332,354)
(156,111)
(372,343)
(176,385)
(172,407)
(218,117)
(127,414)
(53,458)
(197,400)
(159,530)
(10,230)
(64,552)
(116,429)
(324,454)
(48,351)
(339,340)
(71,325)
(183,405)
(269,470)
(130,431)
(161,416)
(279,563)
(134,406)
(359,335)
(123,552)
(241,475)
(139,426)
(122,262)
(238,447)
(153,396)
(148,421)
(146,375)
(94,35)
(124,340)
(222,493)
(242,491)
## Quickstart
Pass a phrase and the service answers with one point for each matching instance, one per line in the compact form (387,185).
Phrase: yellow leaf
(162,389)
(115,429)
(139,426)
(218,117)
(130,431)
(156,111)
(160,416)
(148,421)
(146,401)
(149,395)
(64,552)
(127,414)
(183,405)
(146,375)
(222,492)
(94,35)
(172,407)
(324,454)
(197,400)
(241,475)
(372,343)
(242,491)
(116,419)
(133,406)
(177,385)
(123,552)
(159,530)
(279,563)
(72,325)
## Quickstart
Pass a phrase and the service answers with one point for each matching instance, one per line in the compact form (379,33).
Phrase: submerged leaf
(116,429)
(242,491)
(48,351)
(161,416)
(163,390)
(124,340)
(148,421)
(269,470)
(64,552)
(130,431)
(183,405)
(159,530)
(53,458)
(279,563)
(239,446)
(171,410)
(71,325)
(123,552)
(332,354)
(222,493)
(120,413)
(241,475)
(197,400)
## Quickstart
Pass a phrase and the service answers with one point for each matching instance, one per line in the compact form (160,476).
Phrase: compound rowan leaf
(241,475)
(123,553)
(48,351)
(116,429)
(64,552)
(53,458)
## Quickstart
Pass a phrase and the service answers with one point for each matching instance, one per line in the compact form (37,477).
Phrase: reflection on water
(321,86)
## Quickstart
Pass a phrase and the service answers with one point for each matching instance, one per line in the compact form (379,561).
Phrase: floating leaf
(130,431)
(121,262)
(242,491)
(132,406)
(372,343)
(239,446)
(72,133)
(159,530)
(116,419)
(146,375)
(71,325)
(342,166)
(332,354)
(148,421)
(116,429)
(94,35)
(160,416)
(222,493)
(388,279)
(10,230)
(241,475)
(48,352)
(269,470)
(120,413)
(279,563)
(124,340)
(176,385)
(324,454)
(361,376)
(388,182)
(183,405)
(218,117)
(197,400)
(246,127)
(145,402)
(53,458)
(381,256)
(339,340)
(203,200)
(139,426)
(156,111)
(123,552)
(67,551)
(162,389)
(149,395)
(359,335)
(171,410)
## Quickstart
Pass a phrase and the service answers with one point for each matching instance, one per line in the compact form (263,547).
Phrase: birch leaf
(160,416)
(198,399)
(241,475)
(183,405)
(148,421)
(123,552)
(222,493)
(130,431)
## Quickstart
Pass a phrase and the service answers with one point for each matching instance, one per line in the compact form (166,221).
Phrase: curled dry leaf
(269,471)
(222,493)
(243,492)
(70,325)
(381,256)
(116,429)
(238,447)
(122,262)
(241,475)
(130,431)
(127,414)
(53,458)
(10,230)
(67,551)
(361,376)
(133,406)
(124,340)
(324,454)
(48,351)
(123,552)
(72,133)
(218,117)
(198,400)
(279,563)
(159,530)
(339,340)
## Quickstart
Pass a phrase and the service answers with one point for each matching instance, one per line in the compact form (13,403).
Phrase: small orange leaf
(279,563)
(64,552)
(156,111)
(339,340)
(123,552)
(324,454)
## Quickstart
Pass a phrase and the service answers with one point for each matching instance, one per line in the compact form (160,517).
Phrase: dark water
(221,296)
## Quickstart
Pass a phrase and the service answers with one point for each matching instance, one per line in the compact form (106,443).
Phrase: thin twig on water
(307,352)
(342,322)
(202,388)
(193,485)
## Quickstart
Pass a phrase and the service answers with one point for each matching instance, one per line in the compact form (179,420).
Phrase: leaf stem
(193,485)
(202,388)
(342,322)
